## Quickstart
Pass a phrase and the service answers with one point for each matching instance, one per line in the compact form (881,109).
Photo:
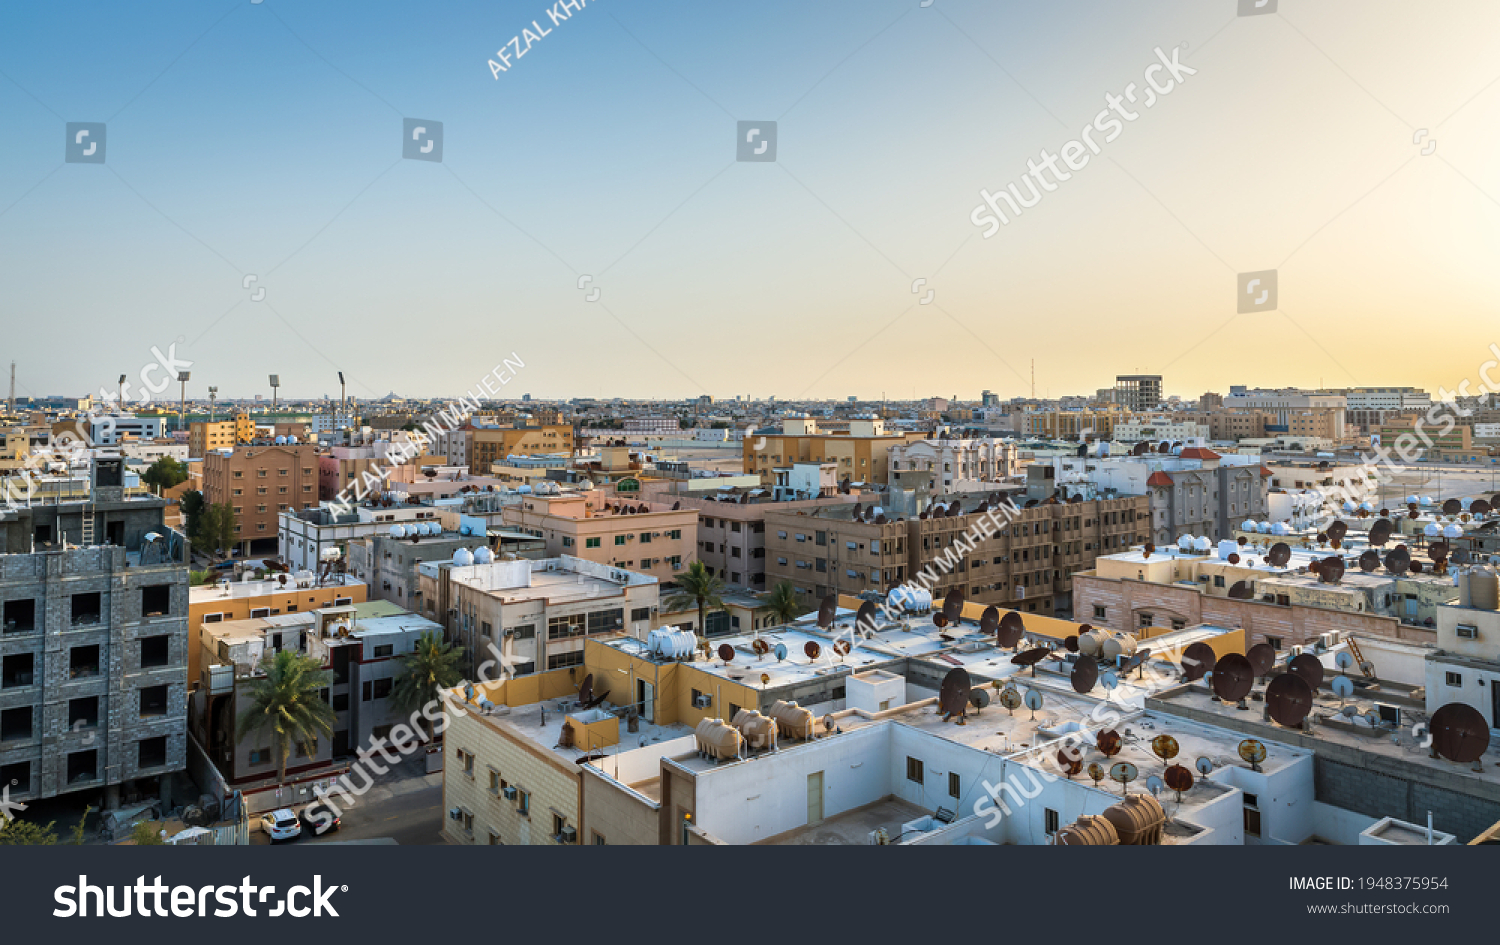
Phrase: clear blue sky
(264,138)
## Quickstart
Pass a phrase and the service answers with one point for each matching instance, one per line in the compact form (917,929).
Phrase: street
(405,805)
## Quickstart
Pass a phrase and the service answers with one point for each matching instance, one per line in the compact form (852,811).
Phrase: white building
(111,429)
(306,535)
(956,464)
(1160,428)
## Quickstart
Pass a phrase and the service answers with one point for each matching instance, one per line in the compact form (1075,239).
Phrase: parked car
(281,825)
(315,820)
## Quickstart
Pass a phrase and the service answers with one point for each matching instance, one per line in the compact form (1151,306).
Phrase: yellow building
(15,450)
(492,445)
(244,428)
(861,454)
(204,437)
(241,600)
(1071,424)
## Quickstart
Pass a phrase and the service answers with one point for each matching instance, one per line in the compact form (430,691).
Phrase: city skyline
(1344,152)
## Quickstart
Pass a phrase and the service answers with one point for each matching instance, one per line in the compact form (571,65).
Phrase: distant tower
(1033,378)
(10,405)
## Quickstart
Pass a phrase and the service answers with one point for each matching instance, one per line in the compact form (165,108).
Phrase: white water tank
(398,531)
(1453,531)
(463,557)
(483,556)
(1227,547)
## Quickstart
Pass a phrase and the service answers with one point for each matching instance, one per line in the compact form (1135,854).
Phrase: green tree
(165,473)
(430,666)
(783,602)
(145,835)
(216,528)
(288,703)
(24,833)
(191,504)
(697,587)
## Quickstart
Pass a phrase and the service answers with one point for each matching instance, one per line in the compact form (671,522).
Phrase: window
(914,769)
(523,802)
(212,618)
(83,713)
(83,766)
(83,661)
(151,752)
(1455,679)
(604,621)
(558,823)
(15,724)
(341,702)
(153,701)
(86,608)
(495,840)
(562,660)
(16,670)
(155,651)
(387,649)
(1146,620)
(598,838)
(567,542)
(640,613)
(1051,817)
(382,689)
(497,783)
(17,776)
(525,631)
(1275,643)
(953,785)
(645,538)
(20,616)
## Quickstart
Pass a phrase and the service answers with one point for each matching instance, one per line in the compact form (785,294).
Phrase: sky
(264,139)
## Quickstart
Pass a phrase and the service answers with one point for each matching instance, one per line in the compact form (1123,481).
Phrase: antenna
(10,405)
(213,392)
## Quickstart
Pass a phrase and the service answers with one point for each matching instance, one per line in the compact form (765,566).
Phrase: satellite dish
(1031,657)
(726,653)
(1197,659)
(842,648)
(1308,668)
(1109,681)
(1337,531)
(1459,733)
(978,698)
(826,610)
(1033,699)
(1070,761)
(1109,743)
(1343,687)
(1085,674)
(1233,677)
(1279,554)
(812,649)
(1010,698)
(1452,507)
(1289,699)
(1343,659)
(953,606)
(1380,532)
(1164,747)
(1008,633)
(1096,771)
(1123,772)
(1253,751)
(761,647)
(1240,591)
(1233,558)
(1369,560)
(989,621)
(586,688)
(1262,657)
(1070,643)
(939,621)
(1178,779)
(1155,785)
(1204,765)
(780,652)
(953,697)
(1462,556)
(865,619)
(1332,569)
(1397,560)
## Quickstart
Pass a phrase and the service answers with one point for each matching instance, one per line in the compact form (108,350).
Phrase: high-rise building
(1138,392)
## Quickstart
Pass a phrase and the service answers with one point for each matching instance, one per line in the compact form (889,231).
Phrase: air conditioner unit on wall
(509,792)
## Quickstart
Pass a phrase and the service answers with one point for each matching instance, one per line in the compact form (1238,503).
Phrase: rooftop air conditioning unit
(1329,640)
(509,793)
(1466,632)
(702,702)
(568,835)
(1293,652)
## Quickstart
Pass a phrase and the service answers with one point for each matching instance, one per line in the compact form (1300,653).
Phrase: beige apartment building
(259,483)
(648,537)
(489,445)
(861,454)
(204,437)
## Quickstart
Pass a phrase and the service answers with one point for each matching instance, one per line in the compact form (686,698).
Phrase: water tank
(523,490)
(1227,547)
(1412,500)
(465,530)
(1248,525)
(1264,528)
(1279,528)
(279,441)
(398,531)
(483,556)
(463,557)
(910,599)
(1426,500)
(1202,544)
(1090,830)
(1120,644)
(433,528)
(1348,506)
(671,643)
(1138,820)
(1453,531)
(1092,643)
(1484,589)
(1185,542)
(1432,530)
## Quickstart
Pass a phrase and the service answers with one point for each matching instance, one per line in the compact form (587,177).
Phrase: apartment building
(205,437)
(649,537)
(732,532)
(1366,408)
(259,483)
(298,592)
(1138,393)
(538,613)
(388,562)
(861,453)
(957,465)
(1160,427)
(308,537)
(1311,413)
(1420,432)
(93,651)
(491,445)
(1075,424)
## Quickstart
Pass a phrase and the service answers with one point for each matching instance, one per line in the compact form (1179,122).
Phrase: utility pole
(10,406)
(212,393)
(182,378)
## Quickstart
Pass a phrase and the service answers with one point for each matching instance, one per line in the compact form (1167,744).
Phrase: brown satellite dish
(1197,659)
(726,652)
(858,510)
(1109,743)
(1462,556)
(1495,500)
(1233,677)
(1069,762)
(939,621)
(1362,513)
(827,608)
(1315,566)
(761,647)
(1459,733)
(1140,449)
(1008,634)
(1322,538)
(1178,778)
(1413,513)
(812,649)
(1234,558)
(1141,655)
(1240,591)
(1279,554)
(989,621)
(953,697)
(1416,567)
(1397,560)
(1307,668)
(1085,674)
(842,647)
(1337,531)
(1262,657)
(1030,657)
(1452,507)
(1165,747)
(1479,507)
(1380,532)
(1146,552)
(1242,541)
(586,688)
(1070,643)
(1289,698)
(865,619)
(1369,561)
(953,606)
(1332,570)
(1438,549)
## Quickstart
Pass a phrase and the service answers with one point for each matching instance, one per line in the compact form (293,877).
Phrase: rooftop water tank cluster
(671,643)
(910,599)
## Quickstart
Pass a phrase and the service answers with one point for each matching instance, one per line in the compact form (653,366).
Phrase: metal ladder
(1359,658)
(88,526)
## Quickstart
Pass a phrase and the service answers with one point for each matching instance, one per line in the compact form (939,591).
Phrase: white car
(281,825)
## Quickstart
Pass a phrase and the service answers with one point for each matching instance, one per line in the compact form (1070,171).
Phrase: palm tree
(288,700)
(430,666)
(698,587)
(783,602)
